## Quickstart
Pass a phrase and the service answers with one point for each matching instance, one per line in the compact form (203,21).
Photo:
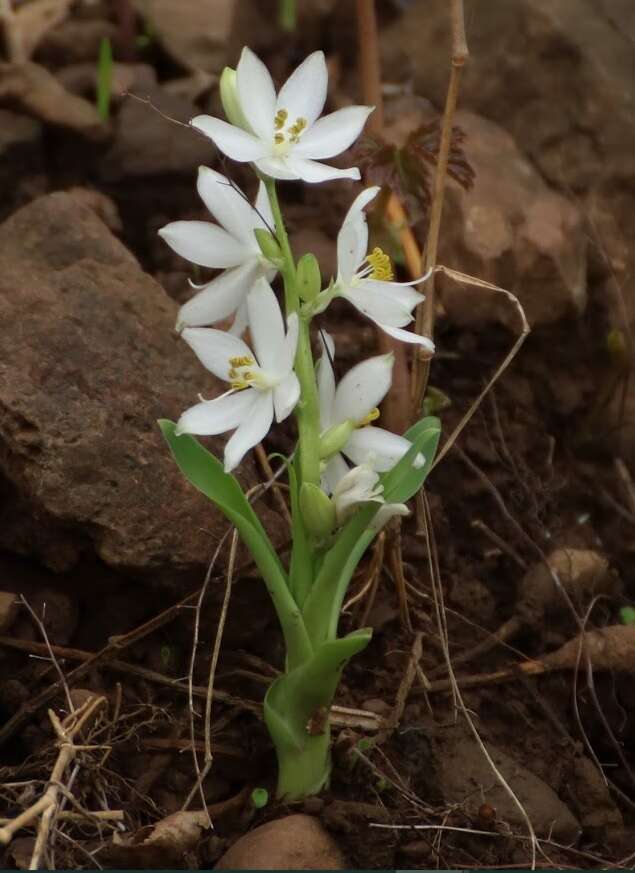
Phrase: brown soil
(534,471)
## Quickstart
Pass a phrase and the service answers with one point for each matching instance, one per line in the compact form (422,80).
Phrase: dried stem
(425,316)
(396,403)
(12,34)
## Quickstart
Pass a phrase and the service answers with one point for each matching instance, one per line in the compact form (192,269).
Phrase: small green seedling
(260,797)
(627,615)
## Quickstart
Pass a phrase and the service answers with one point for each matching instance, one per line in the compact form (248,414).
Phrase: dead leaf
(35,19)
(163,844)
(38,93)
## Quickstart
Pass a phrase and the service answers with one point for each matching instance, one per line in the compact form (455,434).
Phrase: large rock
(88,362)
(511,230)
(467,779)
(296,842)
(563,85)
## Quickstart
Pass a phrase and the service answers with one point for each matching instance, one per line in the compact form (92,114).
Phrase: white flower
(355,400)
(285,133)
(230,245)
(365,280)
(262,382)
(358,486)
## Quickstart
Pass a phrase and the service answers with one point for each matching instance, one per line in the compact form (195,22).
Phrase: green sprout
(627,615)
(288,15)
(104,79)
(259,797)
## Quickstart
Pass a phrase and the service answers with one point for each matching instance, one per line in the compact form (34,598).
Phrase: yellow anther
(296,129)
(373,415)
(239,384)
(380,262)
(278,138)
(241,361)
(280,119)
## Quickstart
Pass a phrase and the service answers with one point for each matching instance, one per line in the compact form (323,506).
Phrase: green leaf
(206,473)
(322,607)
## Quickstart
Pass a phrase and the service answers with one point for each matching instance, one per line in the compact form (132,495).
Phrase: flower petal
(266,325)
(312,171)
(361,202)
(286,353)
(408,336)
(264,216)
(237,144)
(276,168)
(285,396)
(352,245)
(385,513)
(382,308)
(334,133)
(217,416)
(334,471)
(377,447)
(256,94)
(241,321)
(253,428)
(220,297)
(403,294)
(326,381)
(363,388)
(204,243)
(304,93)
(229,206)
(214,348)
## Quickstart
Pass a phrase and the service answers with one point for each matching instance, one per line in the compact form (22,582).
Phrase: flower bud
(335,438)
(309,278)
(230,101)
(318,511)
(269,246)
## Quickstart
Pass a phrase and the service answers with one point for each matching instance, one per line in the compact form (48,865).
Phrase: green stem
(308,409)
(287,14)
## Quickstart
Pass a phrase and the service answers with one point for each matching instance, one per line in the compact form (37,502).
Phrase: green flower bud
(230,101)
(309,278)
(269,246)
(335,438)
(318,511)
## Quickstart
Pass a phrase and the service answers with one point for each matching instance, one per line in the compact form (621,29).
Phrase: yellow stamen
(373,415)
(380,262)
(241,361)
(280,119)
(278,138)
(239,384)
(296,129)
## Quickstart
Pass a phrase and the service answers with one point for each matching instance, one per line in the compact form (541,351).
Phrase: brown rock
(564,86)
(297,842)
(90,361)
(17,131)
(511,230)
(75,40)
(193,32)
(101,204)
(466,778)
(147,143)
(38,92)
(8,610)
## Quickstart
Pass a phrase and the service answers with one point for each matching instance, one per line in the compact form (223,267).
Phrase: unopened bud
(335,438)
(230,101)
(309,277)
(268,246)
(318,511)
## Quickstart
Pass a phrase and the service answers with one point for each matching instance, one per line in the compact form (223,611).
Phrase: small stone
(297,842)
(9,604)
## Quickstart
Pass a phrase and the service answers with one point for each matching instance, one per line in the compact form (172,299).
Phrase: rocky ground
(104,548)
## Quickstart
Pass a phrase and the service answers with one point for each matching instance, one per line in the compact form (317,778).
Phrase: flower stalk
(336,509)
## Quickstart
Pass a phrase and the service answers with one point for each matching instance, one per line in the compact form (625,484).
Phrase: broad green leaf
(322,607)
(206,473)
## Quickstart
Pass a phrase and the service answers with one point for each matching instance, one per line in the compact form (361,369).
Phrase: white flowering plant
(346,477)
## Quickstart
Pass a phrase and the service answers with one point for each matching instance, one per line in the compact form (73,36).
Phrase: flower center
(244,373)
(286,134)
(381,266)
(373,415)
